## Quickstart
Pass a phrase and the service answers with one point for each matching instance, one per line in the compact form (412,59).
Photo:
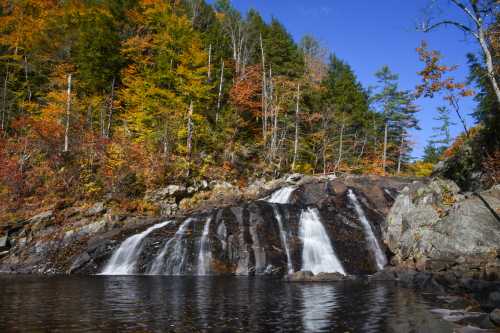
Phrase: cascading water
(284,238)
(318,254)
(380,258)
(170,261)
(205,255)
(124,260)
(281,196)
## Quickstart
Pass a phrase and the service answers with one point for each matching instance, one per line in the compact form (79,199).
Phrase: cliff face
(347,225)
(242,236)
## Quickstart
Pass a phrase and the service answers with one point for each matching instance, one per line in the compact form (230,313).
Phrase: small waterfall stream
(380,257)
(170,261)
(205,255)
(284,238)
(281,196)
(124,260)
(318,254)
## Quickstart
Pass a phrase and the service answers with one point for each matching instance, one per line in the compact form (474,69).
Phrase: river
(209,304)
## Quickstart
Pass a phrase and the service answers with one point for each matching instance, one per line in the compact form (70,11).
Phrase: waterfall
(170,261)
(205,255)
(284,238)
(124,260)
(318,254)
(258,251)
(380,258)
(281,196)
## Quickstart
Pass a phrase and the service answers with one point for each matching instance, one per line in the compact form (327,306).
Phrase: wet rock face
(247,238)
(433,227)
(252,237)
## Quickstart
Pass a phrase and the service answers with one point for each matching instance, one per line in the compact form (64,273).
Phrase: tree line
(120,96)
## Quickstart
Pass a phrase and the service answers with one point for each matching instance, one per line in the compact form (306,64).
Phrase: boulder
(439,229)
(384,275)
(495,317)
(4,242)
(42,217)
(306,276)
(41,221)
(79,262)
(494,299)
(294,178)
(97,209)
(329,277)
(177,192)
(300,276)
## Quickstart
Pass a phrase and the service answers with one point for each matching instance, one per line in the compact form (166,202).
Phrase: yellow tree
(167,74)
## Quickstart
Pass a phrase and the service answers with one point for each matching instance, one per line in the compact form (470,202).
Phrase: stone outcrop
(434,227)
(244,233)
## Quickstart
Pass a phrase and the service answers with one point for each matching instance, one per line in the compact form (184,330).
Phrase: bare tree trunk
(26,77)
(101,121)
(401,147)
(454,103)
(210,63)
(219,99)
(190,131)
(341,144)
(4,99)
(384,156)
(89,118)
(325,140)
(362,149)
(272,114)
(264,92)
(296,142)
(110,115)
(489,63)
(68,111)
(165,142)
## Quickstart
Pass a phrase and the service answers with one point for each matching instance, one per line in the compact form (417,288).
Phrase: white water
(284,238)
(124,260)
(170,261)
(205,255)
(318,254)
(380,258)
(281,196)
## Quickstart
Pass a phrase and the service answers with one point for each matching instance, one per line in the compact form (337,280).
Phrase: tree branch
(467,11)
(460,26)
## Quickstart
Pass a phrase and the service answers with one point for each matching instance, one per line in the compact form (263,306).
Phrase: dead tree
(477,15)
(68,112)
(297,120)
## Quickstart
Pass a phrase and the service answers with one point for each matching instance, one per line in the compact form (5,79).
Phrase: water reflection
(319,303)
(189,304)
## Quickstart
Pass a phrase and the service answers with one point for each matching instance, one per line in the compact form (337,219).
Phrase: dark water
(163,304)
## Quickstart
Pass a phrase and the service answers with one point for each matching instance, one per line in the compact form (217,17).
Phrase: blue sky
(371,33)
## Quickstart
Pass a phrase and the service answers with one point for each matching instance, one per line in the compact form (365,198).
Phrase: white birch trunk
(68,112)
(210,63)
(341,144)
(219,98)
(296,142)
(189,142)
(110,114)
(384,156)
(401,148)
